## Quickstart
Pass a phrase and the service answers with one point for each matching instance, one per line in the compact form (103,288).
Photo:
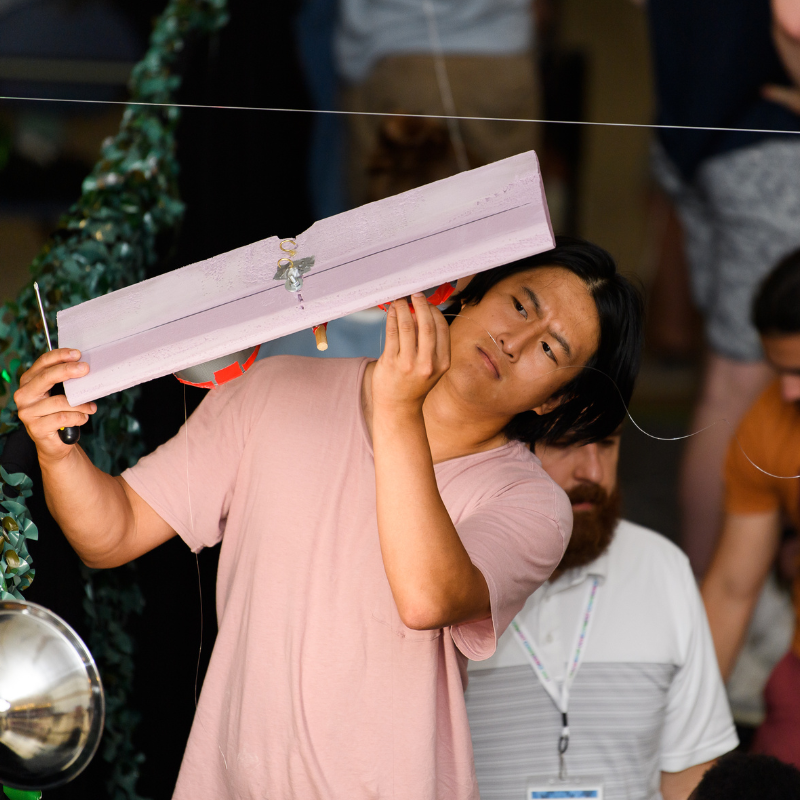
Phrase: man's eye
(548,351)
(520,308)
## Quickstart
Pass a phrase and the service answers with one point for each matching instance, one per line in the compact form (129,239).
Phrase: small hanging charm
(292,271)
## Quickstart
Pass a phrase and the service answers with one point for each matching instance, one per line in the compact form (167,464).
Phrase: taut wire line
(196,556)
(650,125)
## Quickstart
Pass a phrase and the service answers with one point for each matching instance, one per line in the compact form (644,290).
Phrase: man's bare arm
(731,588)
(434,583)
(105,521)
(680,785)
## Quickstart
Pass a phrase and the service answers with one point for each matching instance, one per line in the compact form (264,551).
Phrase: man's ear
(549,405)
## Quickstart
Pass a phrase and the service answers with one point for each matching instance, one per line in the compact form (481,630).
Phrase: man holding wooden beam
(380,523)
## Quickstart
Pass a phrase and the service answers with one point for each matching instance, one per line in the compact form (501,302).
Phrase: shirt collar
(573,577)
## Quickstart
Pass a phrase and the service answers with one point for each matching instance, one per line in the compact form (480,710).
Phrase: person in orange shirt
(759,504)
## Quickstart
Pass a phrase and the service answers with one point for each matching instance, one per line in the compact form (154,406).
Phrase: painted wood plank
(410,242)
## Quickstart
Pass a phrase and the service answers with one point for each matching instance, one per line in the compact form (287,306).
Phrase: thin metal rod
(44,319)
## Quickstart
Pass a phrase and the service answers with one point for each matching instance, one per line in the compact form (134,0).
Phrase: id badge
(549,788)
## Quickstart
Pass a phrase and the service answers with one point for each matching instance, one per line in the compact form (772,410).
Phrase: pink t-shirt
(316,689)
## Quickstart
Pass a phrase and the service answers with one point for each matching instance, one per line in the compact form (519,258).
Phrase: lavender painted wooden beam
(370,255)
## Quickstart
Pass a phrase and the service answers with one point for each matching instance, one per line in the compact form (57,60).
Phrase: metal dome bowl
(51,700)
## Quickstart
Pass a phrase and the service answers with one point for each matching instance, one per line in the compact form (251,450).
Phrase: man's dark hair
(776,309)
(593,403)
(742,776)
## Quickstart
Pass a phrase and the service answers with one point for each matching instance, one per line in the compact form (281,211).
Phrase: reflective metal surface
(51,699)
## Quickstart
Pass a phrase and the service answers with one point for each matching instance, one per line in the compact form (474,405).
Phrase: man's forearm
(90,507)
(734,581)
(680,785)
(433,580)
(728,617)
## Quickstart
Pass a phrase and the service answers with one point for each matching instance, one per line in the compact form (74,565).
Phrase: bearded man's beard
(592,531)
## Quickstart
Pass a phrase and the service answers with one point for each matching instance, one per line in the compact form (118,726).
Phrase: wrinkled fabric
(315,687)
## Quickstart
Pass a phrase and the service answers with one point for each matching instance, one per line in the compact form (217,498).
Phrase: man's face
(588,474)
(507,350)
(783,353)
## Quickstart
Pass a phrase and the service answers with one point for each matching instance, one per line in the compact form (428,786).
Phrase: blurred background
(247,175)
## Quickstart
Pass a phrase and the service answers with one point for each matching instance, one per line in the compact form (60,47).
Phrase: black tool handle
(67,435)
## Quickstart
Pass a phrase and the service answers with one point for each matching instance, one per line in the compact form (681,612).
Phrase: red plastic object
(226,372)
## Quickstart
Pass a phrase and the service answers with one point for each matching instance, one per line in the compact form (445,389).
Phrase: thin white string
(199,582)
(340,112)
(186,431)
(445,91)
(196,556)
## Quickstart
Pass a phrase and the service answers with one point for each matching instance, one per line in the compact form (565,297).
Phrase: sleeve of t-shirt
(747,489)
(189,480)
(516,540)
(698,726)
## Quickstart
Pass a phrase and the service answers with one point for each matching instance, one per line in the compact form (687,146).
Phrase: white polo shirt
(648,697)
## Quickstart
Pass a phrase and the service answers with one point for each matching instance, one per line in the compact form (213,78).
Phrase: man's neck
(454,428)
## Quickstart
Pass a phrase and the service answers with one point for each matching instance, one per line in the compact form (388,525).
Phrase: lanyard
(529,648)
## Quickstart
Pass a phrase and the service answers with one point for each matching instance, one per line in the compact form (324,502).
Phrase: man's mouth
(585,506)
(489,362)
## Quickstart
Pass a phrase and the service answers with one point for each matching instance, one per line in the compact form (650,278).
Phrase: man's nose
(790,388)
(514,342)
(589,467)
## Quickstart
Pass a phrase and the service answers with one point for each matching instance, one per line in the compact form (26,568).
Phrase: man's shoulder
(767,435)
(502,467)
(769,413)
(641,554)
(295,386)
(303,368)
(630,537)
(514,474)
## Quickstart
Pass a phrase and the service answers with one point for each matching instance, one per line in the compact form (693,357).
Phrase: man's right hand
(44,414)
(106,522)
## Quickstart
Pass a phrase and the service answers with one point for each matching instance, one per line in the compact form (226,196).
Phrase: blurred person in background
(646,711)
(779,734)
(760,506)
(468,57)
(738,197)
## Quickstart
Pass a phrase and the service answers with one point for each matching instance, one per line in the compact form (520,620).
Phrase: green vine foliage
(105,242)
(17,529)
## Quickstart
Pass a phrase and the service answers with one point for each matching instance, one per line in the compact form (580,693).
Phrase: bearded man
(608,675)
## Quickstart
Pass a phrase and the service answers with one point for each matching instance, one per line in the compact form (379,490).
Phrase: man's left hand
(416,355)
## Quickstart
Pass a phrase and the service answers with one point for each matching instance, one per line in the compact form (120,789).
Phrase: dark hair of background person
(594,402)
(776,309)
(746,776)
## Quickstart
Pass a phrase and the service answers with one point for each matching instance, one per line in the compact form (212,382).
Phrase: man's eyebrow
(538,308)
(562,341)
(534,300)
